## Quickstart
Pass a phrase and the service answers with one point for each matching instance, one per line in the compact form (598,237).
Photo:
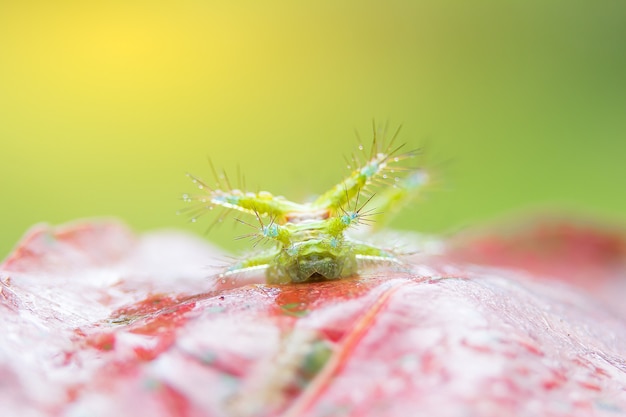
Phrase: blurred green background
(104,105)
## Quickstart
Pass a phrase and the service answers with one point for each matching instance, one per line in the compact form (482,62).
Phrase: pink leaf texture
(97,321)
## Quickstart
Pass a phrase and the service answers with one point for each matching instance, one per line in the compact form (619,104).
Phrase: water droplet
(178,212)
(193,220)
(360,147)
(348,166)
(194,181)
(200,186)
(396,159)
(396,179)
(223,281)
(385,176)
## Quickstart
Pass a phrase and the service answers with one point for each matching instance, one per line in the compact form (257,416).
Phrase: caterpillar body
(309,239)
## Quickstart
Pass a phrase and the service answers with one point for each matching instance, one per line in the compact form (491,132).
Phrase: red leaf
(98,322)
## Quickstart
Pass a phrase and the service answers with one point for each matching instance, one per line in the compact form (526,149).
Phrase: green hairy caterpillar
(309,239)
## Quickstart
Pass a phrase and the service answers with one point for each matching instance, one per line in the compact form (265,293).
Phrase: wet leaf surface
(98,322)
